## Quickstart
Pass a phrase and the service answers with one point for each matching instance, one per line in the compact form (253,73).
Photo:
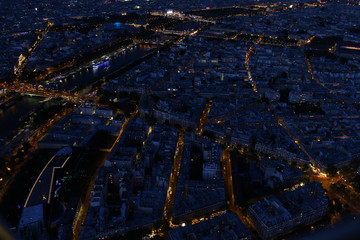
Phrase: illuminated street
(170,195)
(86,203)
(202,121)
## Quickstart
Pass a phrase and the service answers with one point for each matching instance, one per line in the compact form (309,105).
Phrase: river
(98,68)
(9,117)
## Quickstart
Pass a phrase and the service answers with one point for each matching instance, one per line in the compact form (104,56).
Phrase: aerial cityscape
(158,119)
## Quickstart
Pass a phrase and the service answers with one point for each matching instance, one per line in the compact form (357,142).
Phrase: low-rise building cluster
(225,226)
(277,215)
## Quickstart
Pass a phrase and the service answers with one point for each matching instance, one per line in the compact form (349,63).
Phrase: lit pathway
(200,129)
(23,60)
(86,203)
(229,191)
(170,195)
(226,172)
(253,84)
